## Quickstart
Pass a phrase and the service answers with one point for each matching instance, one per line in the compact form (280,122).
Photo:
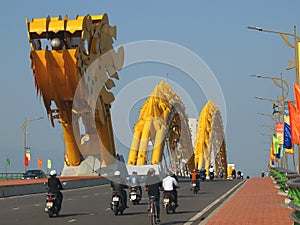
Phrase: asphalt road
(90,206)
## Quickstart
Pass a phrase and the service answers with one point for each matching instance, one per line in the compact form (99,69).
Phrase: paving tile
(257,203)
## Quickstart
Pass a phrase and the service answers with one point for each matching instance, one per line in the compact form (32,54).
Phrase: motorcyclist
(153,185)
(169,184)
(134,181)
(195,176)
(211,170)
(118,184)
(54,186)
(203,173)
(233,173)
(221,173)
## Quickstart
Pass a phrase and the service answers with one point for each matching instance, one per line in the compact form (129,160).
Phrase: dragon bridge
(210,148)
(162,126)
(61,52)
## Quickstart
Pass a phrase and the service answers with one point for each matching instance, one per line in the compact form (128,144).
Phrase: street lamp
(25,124)
(270,127)
(285,36)
(284,88)
(275,80)
(269,135)
(273,117)
(280,111)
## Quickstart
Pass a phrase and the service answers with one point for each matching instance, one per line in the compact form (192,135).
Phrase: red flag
(40,163)
(294,123)
(26,161)
(297,95)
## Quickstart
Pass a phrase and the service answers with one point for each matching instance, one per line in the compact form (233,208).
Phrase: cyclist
(153,185)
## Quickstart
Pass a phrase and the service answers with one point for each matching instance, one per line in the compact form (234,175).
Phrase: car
(33,174)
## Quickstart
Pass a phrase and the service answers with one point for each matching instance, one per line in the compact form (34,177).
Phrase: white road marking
(194,218)
(72,221)
(17,208)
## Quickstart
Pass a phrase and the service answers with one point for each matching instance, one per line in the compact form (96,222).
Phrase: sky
(215,31)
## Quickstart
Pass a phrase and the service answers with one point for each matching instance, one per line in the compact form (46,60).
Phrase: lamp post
(269,135)
(273,117)
(285,36)
(284,93)
(270,127)
(25,124)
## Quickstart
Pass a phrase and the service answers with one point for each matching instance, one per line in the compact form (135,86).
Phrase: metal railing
(294,187)
(289,182)
(10,176)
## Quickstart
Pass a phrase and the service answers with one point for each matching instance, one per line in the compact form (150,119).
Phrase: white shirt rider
(211,170)
(168,183)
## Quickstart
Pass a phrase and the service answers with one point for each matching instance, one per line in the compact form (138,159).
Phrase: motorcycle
(52,205)
(211,175)
(117,204)
(202,176)
(168,202)
(134,195)
(195,188)
(221,175)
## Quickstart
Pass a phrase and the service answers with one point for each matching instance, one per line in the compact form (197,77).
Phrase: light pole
(273,117)
(285,36)
(25,124)
(284,93)
(270,127)
(269,135)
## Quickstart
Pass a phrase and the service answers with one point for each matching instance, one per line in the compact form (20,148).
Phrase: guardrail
(294,187)
(289,183)
(23,187)
(10,176)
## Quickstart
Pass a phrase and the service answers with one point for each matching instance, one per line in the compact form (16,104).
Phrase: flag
(279,132)
(275,145)
(287,137)
(7,161)
(26,161)
(294,123)
(49,164)
(40,163)
(297,95)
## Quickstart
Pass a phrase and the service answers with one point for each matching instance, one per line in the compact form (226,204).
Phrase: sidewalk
(256,202)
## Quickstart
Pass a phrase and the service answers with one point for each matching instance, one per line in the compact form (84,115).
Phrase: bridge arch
(210,146)
(163,125)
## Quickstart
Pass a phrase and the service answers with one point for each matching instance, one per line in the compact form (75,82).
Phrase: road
(90,206)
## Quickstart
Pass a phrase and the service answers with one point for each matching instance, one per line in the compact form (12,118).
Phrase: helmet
(169,173)
(151,170)
(194,170)
(53,173)
(134,172)
(117,173)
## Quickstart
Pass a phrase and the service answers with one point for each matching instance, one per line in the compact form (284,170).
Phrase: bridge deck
(256,202)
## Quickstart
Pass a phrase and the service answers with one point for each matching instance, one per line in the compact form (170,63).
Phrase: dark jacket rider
(54,186)
(118,184)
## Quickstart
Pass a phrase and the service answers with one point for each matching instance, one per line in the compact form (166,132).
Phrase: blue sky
(214,30)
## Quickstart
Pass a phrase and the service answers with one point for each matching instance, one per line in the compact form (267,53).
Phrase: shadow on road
(183,212)
(71,214)
(173,222)
(134,213)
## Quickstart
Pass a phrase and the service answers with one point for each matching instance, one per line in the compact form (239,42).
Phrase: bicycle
(152,210)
